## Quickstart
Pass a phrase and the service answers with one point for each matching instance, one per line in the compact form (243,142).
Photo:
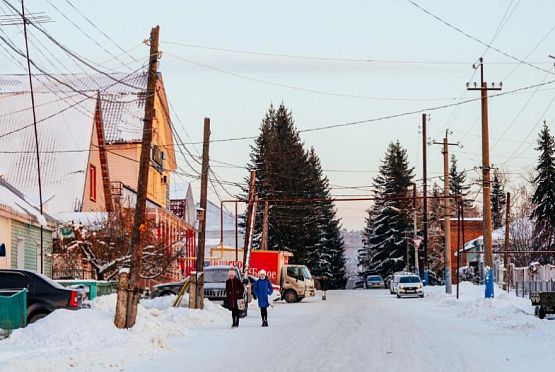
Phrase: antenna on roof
(30,18)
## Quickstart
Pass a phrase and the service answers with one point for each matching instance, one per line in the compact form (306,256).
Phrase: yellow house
(123,130)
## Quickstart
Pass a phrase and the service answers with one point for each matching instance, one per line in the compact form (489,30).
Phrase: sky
(368,59)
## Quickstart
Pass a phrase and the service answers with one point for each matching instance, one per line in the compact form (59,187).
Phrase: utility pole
(425,194)
(506,252)
(486,167)
(139,224)
(9,21)
(264,243)
(415,238)
(199,298)
(447,208)
(250,215)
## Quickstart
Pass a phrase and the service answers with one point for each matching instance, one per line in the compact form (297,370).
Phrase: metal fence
(13,309)
(79,274)
(524,289)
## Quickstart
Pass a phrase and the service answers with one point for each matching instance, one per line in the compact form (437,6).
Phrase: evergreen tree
(284,170)
(458,185)
(389,224)
(544,195)
(498,201)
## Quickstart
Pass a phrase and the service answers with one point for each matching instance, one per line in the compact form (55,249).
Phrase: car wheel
(422,295)
(541,313)
(299,299)
(398,295)
(290,296)
(35,317)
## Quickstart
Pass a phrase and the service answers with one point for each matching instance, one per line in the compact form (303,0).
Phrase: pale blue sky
(381,30)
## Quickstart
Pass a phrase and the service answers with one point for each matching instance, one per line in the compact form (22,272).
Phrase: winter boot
(264,323)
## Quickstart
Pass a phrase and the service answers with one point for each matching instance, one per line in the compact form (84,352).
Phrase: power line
(459,30)
(319,58)
(306,90)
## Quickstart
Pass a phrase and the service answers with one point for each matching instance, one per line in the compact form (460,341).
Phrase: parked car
(375,281)
(166,289)
(410,285)
(43,294)
(214,286)
(395,280)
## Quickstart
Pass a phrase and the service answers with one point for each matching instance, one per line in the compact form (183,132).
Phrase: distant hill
(353,242)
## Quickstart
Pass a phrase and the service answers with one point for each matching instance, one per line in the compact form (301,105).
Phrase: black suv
(214,286)
(43,294)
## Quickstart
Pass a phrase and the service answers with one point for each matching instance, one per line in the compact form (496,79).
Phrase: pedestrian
(234,292)
(262,289)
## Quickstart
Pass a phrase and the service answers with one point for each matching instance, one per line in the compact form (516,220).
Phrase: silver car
(394,282)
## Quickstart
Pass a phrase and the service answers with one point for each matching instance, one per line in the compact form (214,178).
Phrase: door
(21,253)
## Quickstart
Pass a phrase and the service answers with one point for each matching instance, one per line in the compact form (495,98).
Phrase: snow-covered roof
(65,123)
(12,200)
(84,218)
(213,218)
(498,234)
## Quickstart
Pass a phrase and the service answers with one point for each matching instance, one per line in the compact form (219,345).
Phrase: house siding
(31,235)
(98,204)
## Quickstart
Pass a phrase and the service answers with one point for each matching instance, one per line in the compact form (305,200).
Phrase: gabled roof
(12,200)
(65,122)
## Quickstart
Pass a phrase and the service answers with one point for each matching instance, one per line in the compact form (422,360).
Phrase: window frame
(92,182)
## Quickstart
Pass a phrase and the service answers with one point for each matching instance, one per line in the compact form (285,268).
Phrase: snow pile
(88,340)
(505,310)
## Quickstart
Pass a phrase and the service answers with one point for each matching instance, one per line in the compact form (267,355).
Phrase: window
(409,279)
(293,272)
(13,281)
(92,182)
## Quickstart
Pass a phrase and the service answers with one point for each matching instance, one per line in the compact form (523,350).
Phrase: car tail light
(73,299)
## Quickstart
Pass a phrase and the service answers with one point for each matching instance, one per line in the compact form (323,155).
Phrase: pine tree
(498,201)
(389,224)
(544,195)
(284,170)
(458,185)
(327,258)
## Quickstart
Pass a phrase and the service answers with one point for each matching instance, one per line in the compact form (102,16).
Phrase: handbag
(241,304)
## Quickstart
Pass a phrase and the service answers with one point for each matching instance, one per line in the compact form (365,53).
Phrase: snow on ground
(87,340)
(355,330)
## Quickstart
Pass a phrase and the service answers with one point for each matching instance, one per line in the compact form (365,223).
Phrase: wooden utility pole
(264,243)
(506,251)
(25,21)
(486,166)
(447,208)
(249,229)
(425,191)
(199,298)
(139,224)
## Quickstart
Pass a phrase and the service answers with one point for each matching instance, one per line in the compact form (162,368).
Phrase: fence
(524,289)
(13,309)
(79,274)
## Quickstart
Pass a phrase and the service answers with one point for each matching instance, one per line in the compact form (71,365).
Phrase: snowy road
(365,331)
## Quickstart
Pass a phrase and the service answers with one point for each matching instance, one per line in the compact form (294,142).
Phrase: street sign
(417,241)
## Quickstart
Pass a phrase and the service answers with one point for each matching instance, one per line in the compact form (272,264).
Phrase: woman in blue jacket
(262,289)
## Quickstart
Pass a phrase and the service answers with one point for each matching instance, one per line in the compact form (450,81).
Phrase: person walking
(234,291)
(262,289)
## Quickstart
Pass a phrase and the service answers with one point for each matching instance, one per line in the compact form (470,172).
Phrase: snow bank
(88,340)
(505,310)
